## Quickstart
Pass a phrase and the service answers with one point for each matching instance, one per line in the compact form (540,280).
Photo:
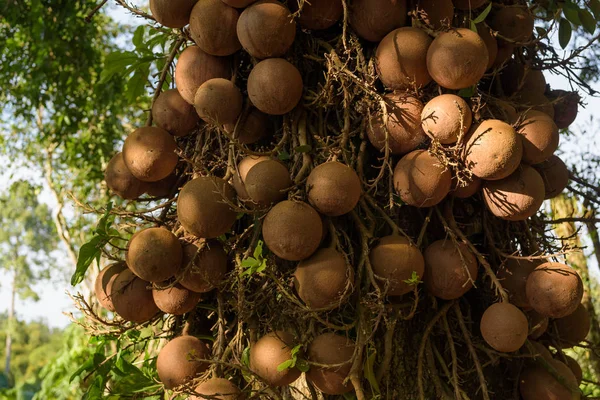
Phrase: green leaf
(137,83)
(117,62)
(262,267)
(571,12)
(138,37)
(473,26)
(89,365)
(369,370)
(467,92)
(246,357)
(541,31)
(305,148)
(564,33)
(284,156)
(250,262)
(594,6)
(103,223)
(302,365)
(258,250)
(587,21)
(285,365)
(481,17)
(89,252)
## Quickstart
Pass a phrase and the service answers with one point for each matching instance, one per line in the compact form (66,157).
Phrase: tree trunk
(564,207)
(10,321)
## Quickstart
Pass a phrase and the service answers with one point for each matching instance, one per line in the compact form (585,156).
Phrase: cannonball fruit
(173,114)
(504,327)
(436,13)
(104,281)
(394,260)
(217,388)
(404,131)
(166,187)
(331,349)
(513,276)
(319,14)
(472,186)
(218,102)
(243,168)
(176,299)
(266,30)
(554,290)
(292,230)
(517,197)
(537,383)
(373,19)
(538,324)
(493,150)
(450,269)
(490,41)
(565,107)
(121,181)
(420,180)
(132,298)
(322,279)
(172,13)
(238,3)
(540,137)
(275,86)
(573,328)
(457,58)
(401,59)
(514,23)
(149,153)
(204,264)
(204,207)
(268,353)
(194,67)
(575,368)
(250,128)
(179,361)
(333,188)
(154,254)
(469,4)
(555,174)
(266,182)
(446,117)
(213,27)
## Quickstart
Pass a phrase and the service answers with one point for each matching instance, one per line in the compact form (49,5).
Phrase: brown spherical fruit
(540,137)
(154,254)
(513,22)
(266,182)
(238,3)
(205,270)
(506,112)
(513,276)
(555,174)
(163,188)
(132,298)
(172,13)
(333,188)
(436,13)
(401,59)
(373,19)
(178,362)
(173,114)
(149,153)
(450,269)
(322,279)
(213,27)
(517,197)
(404,129)
(538,350)
(204,207)
(575,368)
(251,127)
(219,389)
(535,101)
(292,230)
(275,86)
(242,171)
(218,102)
(486,34)
(319,14)
(176,300)
(420,180)
(493,150)
(554,290)
(121,181)
(464,192)
(505,52)
(504,327)
(574,328)
(565,107)
(268,353)
(532,80)
(445,117)
(395,259)
(537,383)
(265,29)
(469,4)
(457,59)
(538,324)
(104,281)
(194,67)
(331,349)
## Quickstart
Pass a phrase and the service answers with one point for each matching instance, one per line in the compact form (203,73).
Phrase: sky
(53,300)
